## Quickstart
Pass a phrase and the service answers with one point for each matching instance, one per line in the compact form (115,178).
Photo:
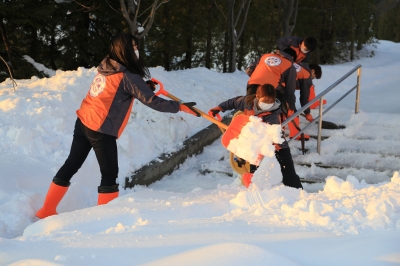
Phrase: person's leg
(105,148)
(293,129)
(80,149)
(312,96)
(290,178)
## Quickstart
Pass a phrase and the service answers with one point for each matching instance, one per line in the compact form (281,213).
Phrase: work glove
(151,84)
(290,113)
(188,108)
(309,117)
(214,111)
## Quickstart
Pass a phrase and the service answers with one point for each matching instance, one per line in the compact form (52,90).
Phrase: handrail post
(320,125)
(358,90)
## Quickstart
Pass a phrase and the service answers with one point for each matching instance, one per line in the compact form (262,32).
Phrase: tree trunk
(226,48)
(209,31)
(6,44)
(167,54)
(189,37)
(241,52)
(33,52)
(234,35)
(52,53)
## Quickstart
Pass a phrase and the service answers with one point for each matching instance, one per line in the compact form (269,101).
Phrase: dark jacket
(271,116)
(107,106)
(294,43)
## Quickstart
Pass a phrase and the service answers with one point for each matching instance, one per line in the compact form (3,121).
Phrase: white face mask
(137,53)
(265,106)
(304,51)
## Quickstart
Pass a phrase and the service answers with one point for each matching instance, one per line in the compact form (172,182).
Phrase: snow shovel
(231,132)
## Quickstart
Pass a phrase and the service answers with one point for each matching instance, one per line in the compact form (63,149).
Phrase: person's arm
(136,86)
(289,77)
(252,66)
(283,43)
(237,103)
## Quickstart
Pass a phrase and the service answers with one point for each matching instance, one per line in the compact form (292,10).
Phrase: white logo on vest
(272,61)
(98,85)
(298,68)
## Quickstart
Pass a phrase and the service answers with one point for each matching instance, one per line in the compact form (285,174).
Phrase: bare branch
(222,12)
(244,20)
(87,8)
(132,26)
(291,28)
(9,70)
(148,23)
(112,7)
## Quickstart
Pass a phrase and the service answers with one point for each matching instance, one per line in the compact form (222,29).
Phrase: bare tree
(289,15)
(6,44)
(130,11)
(232,34)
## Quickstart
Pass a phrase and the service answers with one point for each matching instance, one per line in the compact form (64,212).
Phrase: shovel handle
(169,95)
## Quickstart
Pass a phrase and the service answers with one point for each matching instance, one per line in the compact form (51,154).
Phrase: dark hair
(310,43)
(291,52)
(317,70)
(262,91)
(121,50)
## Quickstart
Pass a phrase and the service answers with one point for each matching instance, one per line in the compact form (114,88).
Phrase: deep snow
(194,217)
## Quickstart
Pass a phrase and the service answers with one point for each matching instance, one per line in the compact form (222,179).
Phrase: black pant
(105,148)
(290,178)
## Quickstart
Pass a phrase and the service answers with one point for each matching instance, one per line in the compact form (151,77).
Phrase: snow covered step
(356,160)
(319,173)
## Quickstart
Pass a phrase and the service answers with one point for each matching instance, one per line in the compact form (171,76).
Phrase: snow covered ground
(199,215)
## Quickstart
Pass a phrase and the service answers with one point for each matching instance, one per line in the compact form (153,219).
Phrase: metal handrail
(320,98)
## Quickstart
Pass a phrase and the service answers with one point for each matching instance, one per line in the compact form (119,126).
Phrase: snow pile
(40,67)
(344,207)
(256,138)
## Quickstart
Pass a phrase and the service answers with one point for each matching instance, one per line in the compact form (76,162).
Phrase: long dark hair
(121,50)
(262,90)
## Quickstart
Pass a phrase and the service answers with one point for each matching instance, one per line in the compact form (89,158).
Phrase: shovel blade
(234,129)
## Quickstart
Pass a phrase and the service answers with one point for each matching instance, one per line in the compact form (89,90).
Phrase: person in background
(302,46)
(265,105)
(305,74)
(276,69)
(102,117)
(316,73)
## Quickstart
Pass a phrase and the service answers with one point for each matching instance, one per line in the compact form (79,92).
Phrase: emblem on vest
(98,85)
(272,61)
(297,67)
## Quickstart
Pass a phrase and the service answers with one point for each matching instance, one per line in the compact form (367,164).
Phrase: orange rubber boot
(246,179)
(312,96)
(53,198)
(105,198)
(293,130)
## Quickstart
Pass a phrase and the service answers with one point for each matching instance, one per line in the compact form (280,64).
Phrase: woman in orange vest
(265,105)
(102,117)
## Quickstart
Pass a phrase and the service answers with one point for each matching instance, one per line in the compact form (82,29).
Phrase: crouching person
(264,105)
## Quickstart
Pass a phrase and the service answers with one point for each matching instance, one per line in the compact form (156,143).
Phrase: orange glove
(188,108)
(309,117)
(214,111)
